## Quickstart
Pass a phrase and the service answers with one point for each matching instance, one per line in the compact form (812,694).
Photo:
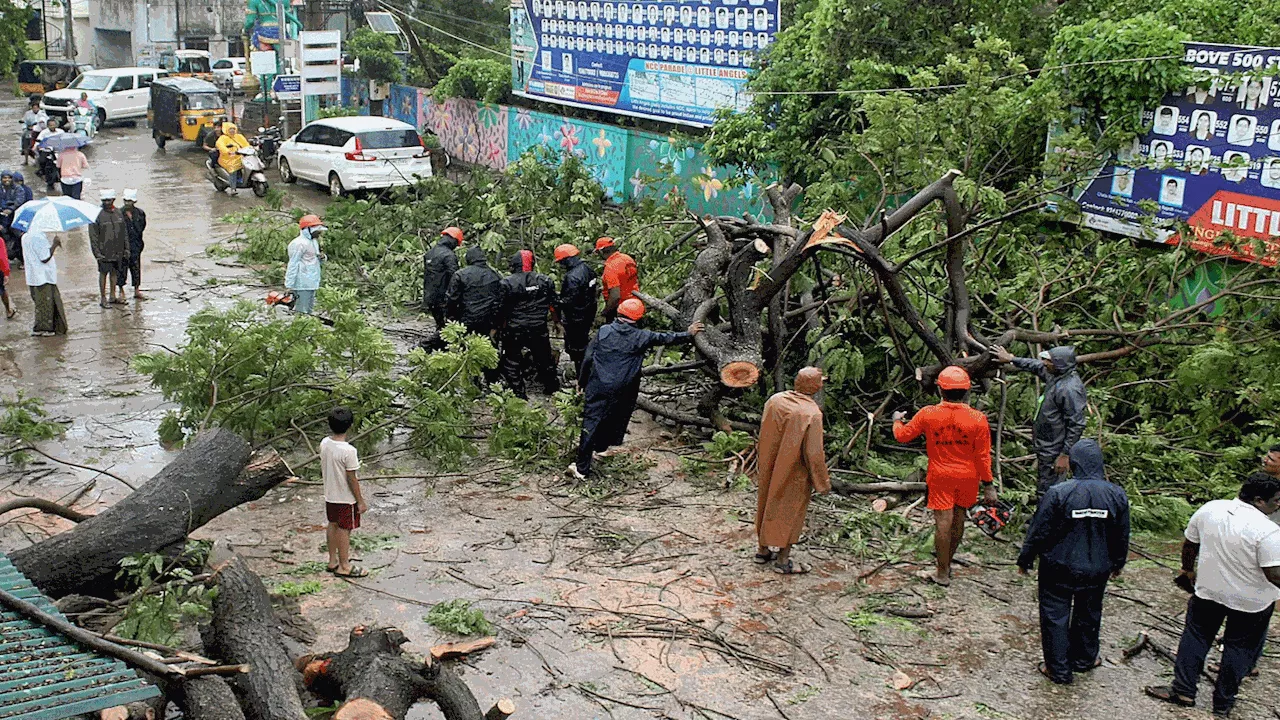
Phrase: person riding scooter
(33,121)
(229,147)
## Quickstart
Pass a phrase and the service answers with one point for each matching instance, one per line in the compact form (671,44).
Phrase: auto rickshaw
(184,108)
(187,63)
(37,77)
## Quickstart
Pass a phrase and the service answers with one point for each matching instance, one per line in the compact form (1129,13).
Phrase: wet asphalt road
(84,378)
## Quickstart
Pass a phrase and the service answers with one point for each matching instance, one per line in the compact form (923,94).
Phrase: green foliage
(291,589)
(375,52)
(22,423)
(459,618)
(442,388)
(337,111)
(310,567)
(369,543)
(484,79)
(165,594)
(13,35)
(524,432)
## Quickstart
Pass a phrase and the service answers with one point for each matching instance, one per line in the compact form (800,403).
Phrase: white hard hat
(107,194)
(131,194)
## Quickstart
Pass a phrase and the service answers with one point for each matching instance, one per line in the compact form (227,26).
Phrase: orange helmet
(631,309)
(604,242)
(453,232)
(953,378)
(566,251)
(309,221)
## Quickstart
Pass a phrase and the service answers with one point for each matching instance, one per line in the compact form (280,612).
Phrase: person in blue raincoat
(610,376)
(1061,419)
(302,276)
(11,197)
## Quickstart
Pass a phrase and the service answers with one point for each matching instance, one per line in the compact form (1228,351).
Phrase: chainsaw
(991,519)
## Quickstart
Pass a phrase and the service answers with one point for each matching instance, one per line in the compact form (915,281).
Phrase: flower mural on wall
(602,143)
(488,114)
(667,154)
(569,139)
(524,119)
(638,183)
(709,183)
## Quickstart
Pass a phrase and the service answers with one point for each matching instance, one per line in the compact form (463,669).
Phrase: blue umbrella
(65,140)
(55,214)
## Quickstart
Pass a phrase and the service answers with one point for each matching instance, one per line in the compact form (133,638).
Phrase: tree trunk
(375,680)
(207,479)
(243,630)
(207,698)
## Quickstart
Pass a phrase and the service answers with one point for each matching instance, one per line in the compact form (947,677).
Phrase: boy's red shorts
(948,494)
(346,516)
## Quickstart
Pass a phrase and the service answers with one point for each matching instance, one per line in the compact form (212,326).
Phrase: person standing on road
(344,503)
(1060,420)
(42,282)
(958,443)
(577,302)
(25,193)
(474,298)
(109,240)
(610,378)
(620,280)
(71,166)
(792,467)
(438,267)
(9,312)
(526,297)
(1231,556)
(10,199)
(135,221)
(1080,534)
(302,275)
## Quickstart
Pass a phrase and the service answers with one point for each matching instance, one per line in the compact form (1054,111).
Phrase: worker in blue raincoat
(610,375)
(1060,421)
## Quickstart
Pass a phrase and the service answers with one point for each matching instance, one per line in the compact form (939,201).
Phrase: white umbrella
(55,214)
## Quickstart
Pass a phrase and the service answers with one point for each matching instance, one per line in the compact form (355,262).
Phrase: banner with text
(1211,160)
(672,60)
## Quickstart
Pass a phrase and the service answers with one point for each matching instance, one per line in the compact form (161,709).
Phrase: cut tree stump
(243,630)
(214,473)
(501,710)
(376,681)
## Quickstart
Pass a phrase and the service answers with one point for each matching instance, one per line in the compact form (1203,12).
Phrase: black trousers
(437,314)
(1046,476)
(1070,620)
(524,350)
(576,337)
(131,265)
(1242,646)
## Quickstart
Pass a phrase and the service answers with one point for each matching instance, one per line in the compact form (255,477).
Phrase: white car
(355,153)
(118,93)
(229,73)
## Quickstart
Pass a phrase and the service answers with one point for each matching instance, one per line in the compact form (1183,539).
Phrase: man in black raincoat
(438,267)
(526,297)
(1080,534)
(473,298)
(1060,421)
(610,375)
(578,291)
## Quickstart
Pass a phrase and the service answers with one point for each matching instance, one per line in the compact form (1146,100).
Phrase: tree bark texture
(208,478)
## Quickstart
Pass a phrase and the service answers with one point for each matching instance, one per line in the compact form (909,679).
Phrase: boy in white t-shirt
(343,502)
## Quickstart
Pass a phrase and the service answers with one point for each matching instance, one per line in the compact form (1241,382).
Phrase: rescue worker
(577,302)
(620,279)
(958,443)
(1080,534)
(229,145)
(473,298)
(610,376)
(792,466)
(526,297)
(438,267)
(302,273)
(1060,420)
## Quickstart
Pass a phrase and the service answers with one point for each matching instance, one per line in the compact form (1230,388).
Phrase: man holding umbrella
(35,219)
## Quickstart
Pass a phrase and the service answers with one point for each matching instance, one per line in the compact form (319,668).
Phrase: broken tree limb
(654,408)
(373,679)
(243,631)
(877,488)
(44,506)
(461,648)
(213,474)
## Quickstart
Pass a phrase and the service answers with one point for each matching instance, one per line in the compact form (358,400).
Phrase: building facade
(135,32)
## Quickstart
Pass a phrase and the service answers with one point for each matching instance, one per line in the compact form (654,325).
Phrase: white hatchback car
(355,153)
(229,73)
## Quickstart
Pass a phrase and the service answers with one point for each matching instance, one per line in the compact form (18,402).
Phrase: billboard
(671,60)
(1211,160)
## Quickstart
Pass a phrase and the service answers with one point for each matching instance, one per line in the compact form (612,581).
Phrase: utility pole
(177,23)
(68,31)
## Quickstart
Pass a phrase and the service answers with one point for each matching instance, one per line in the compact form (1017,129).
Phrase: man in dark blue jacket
(1060,421)
(1080,533)
(610,375)
(578,292)
(525,298)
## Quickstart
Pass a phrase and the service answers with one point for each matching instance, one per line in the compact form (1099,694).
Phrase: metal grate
(45,676)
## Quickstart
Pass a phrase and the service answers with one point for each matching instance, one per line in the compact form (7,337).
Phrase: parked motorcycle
(267,141)
(253,174)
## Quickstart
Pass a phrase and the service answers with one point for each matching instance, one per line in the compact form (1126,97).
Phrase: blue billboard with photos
(671,60)
(1211,160)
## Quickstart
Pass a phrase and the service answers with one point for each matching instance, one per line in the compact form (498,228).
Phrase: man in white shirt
(1237,581)
(51,128)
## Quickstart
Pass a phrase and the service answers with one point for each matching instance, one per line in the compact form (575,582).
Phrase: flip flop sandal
(792,567)
(1097,663)
(1164,693)
(765,558)
(332,568)
(930,576)
(1044,670)
(9,315)
(355,572)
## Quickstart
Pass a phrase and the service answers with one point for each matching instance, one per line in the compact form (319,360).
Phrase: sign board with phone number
(1211,160)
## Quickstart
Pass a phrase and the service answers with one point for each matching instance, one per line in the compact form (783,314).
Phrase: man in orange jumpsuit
(792,466)
(958,441)
(620,279)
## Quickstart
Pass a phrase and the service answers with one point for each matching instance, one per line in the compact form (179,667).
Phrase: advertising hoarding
(1211,159)
(671,60)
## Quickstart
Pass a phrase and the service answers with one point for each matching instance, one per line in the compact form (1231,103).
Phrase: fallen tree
(214,473)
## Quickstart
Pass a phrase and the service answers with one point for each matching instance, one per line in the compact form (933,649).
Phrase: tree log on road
(214,473)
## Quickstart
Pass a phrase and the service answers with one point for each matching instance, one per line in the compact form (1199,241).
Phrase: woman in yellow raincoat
(229,145)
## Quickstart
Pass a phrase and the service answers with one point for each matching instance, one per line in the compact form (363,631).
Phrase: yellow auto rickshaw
(37,77)
(187,63)
(184,108)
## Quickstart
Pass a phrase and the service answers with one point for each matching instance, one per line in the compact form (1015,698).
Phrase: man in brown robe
(792,465)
